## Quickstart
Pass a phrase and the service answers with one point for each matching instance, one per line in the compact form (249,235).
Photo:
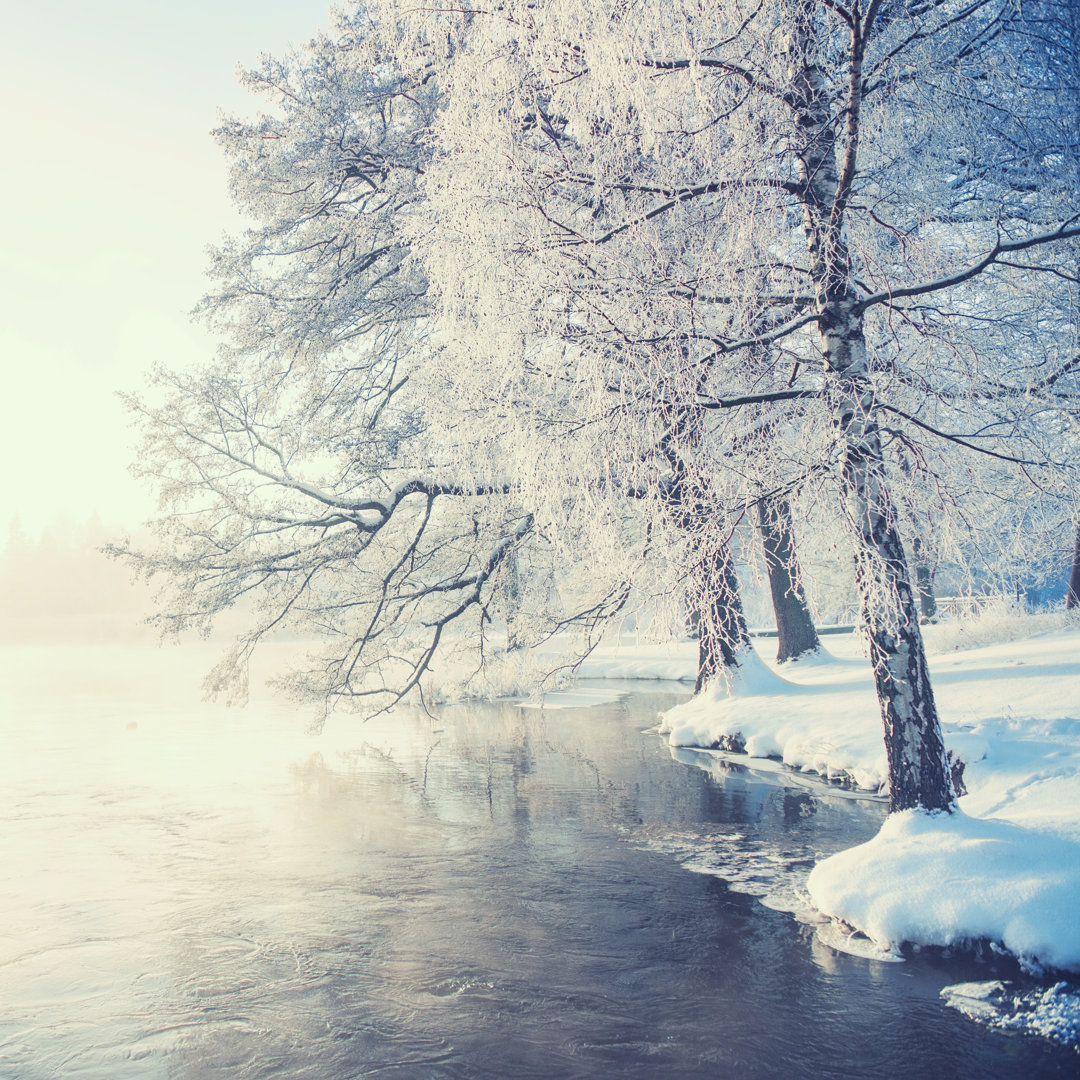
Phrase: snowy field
(1003,873)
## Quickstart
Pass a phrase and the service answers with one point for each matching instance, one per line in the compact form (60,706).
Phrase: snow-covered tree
(322,474)
(541,302)
(629,199)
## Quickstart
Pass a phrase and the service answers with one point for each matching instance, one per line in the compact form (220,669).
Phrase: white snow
(1006,868)
(946,879)
(811,717)
(632,660)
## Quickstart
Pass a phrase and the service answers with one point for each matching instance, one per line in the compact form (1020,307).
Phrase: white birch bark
(918,770)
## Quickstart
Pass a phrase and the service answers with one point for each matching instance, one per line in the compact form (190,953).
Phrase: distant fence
(958,607)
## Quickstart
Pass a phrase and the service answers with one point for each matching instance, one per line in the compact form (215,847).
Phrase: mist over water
(191,891)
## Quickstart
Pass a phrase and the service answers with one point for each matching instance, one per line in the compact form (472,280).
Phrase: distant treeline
(61,574)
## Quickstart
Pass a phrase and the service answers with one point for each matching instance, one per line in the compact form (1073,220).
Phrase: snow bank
(812,718)
(948,879)
(1005,869)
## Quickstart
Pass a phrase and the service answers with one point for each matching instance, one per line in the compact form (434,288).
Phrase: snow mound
(827,722)
(947,879)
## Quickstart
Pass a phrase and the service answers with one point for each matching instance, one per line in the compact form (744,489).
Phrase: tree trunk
(795,631)
(512,603)
(1072,595)
(924,583)
(919,775)
(714,605)
(721,624)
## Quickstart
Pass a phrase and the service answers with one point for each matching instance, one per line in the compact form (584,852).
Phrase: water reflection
(496,894)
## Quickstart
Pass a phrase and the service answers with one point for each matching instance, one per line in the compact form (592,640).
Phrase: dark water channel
(191,893)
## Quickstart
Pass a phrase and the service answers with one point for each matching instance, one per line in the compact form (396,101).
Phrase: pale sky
(110,190)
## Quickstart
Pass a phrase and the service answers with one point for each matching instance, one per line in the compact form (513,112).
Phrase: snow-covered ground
(1005,870)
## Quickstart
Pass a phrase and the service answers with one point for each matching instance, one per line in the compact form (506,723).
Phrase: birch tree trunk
(919,775)
(795,631)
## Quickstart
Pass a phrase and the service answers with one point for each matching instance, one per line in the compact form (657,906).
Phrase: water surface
(190,892)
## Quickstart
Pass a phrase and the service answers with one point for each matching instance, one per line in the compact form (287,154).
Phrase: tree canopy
(540,303)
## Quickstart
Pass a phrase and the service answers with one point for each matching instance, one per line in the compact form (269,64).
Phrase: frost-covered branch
(1065,231)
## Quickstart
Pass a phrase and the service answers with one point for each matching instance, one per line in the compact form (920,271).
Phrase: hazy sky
(110,190)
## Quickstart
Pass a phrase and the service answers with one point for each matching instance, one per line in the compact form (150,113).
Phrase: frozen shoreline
(1005,870)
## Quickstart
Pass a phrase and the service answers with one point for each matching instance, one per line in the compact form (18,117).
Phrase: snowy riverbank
(1006,869)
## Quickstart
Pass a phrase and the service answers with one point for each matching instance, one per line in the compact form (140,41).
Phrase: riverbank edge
(1008,711)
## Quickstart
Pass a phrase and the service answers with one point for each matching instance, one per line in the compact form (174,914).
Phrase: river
(190,892)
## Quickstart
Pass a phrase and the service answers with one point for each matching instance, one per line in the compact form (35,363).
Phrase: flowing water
(192,892)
